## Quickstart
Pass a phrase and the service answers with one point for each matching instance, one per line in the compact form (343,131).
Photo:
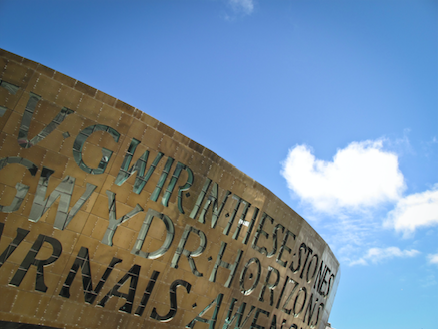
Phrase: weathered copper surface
(110,218)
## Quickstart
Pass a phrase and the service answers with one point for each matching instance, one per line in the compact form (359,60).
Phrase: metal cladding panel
(110,218)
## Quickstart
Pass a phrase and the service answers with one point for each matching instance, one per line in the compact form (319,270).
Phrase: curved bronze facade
(110,218)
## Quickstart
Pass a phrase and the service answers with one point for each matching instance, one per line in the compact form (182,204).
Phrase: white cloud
(377,255)
(359,261)
(244,6)
(360,176)
(414,211)
(433,259)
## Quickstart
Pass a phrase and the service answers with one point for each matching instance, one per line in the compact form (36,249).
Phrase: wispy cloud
(378,255)
(360,176)
(433,258)
(238,8)
(414,211)
(428,281)
(242,6)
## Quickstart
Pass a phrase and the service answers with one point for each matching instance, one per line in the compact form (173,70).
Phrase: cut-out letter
(64,190)
(106,154)
(113,221)
(136,250)
(27,119)
(30,259)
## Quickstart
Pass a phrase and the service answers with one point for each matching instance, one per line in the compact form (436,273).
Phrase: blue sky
(332,105)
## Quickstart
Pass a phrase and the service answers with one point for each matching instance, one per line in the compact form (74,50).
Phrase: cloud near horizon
(360,176)
(414,211)
(377,255)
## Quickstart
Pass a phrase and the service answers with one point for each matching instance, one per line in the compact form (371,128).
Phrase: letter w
(239,314)
(63,190)
(139,167)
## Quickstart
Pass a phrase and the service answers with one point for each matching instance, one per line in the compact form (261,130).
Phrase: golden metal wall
(110,218)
